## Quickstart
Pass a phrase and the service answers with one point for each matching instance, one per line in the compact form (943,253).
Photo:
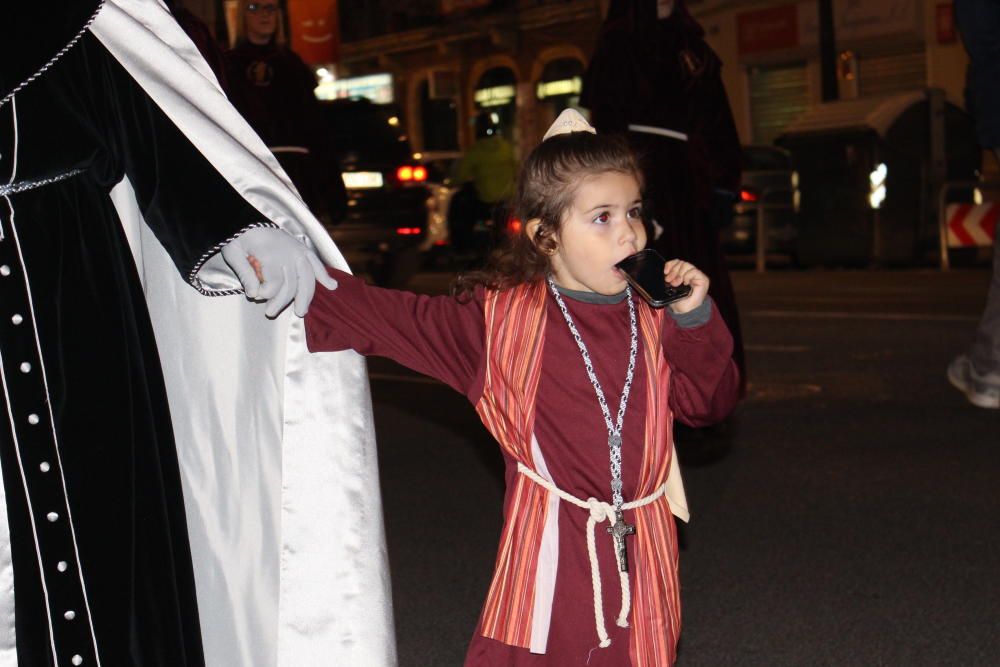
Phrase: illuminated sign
(376,87)
(562,87)
(495,96)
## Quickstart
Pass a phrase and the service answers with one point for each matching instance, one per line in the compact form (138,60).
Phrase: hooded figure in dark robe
(654,79)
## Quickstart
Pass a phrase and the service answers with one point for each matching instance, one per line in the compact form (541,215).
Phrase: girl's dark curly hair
(546,186)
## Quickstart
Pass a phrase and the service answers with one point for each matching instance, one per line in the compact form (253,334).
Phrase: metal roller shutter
(778,95)
(893,73)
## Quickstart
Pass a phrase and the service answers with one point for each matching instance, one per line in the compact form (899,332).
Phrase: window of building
(558,89)
(496,93)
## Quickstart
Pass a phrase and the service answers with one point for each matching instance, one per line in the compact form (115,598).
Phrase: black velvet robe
(94,502)
(661,73)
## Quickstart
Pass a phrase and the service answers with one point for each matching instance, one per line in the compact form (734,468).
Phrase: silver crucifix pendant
(618,533)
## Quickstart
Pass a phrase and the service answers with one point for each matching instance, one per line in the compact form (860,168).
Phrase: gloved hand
(288,270)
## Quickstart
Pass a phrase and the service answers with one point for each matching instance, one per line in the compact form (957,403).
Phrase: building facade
(771,54)
(520,62)
(442,62)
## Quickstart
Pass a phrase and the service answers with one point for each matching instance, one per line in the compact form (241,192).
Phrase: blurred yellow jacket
(491,166)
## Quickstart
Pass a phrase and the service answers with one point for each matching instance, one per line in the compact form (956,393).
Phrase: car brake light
(408,231)
(748,195)
(420,173)
(405,173)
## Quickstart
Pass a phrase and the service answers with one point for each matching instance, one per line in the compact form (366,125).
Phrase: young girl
(579,381)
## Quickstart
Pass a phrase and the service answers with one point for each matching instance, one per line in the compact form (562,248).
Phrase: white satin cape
(276,446)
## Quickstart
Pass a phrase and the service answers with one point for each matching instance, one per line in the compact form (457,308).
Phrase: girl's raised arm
(437,336)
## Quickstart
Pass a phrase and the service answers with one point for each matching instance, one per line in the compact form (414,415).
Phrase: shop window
(496,93)
(560,85)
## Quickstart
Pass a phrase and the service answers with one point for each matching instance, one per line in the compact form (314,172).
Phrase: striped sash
(515,340)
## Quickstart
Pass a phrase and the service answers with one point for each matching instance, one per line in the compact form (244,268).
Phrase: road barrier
(972,225)
(963,225)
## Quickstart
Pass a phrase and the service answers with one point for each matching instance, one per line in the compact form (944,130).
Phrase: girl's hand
(677,272)
(258,268)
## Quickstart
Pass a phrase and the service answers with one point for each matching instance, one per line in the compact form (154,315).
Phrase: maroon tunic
(444,338)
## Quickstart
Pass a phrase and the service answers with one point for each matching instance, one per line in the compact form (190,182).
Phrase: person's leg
(977,374)
(985,351)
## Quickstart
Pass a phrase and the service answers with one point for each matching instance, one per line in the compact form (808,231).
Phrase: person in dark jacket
(654,78)
(273,90)
(202,37)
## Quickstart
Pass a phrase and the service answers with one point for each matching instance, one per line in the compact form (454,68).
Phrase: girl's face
(602,227)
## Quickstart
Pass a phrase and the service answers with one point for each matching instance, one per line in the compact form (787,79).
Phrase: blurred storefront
(771,54)
(519,60)
(447,60)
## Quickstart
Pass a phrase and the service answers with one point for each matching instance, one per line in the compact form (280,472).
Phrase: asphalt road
(848,514)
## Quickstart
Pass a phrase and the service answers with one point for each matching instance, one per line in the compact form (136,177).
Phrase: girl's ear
(532,229)
(540,236)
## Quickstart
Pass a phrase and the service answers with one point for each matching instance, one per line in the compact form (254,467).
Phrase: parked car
(769,178)
(387,195)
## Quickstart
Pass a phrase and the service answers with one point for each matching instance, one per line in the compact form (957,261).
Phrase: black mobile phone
(644,271)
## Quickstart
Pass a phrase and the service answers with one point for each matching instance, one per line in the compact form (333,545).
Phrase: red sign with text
(768,29)
(315,28)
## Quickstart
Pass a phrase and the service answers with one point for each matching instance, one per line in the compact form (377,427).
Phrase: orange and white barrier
(971,225)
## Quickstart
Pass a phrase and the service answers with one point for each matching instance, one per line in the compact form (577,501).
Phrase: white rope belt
(599,511)
(661,131)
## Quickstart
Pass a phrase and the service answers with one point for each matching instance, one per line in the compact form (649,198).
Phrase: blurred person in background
(273,90)
(976,373)
(654,78)
(202,37)
(486,176)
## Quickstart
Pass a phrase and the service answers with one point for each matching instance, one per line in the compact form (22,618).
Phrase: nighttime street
(725,295)
(847,516)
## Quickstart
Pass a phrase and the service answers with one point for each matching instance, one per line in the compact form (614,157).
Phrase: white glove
(288,269)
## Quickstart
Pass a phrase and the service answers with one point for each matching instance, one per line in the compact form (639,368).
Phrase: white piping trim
(660,131)
(57,56)
(52,423)
(27,494)
(192,276)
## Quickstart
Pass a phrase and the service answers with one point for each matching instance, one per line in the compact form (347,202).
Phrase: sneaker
(981,390)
